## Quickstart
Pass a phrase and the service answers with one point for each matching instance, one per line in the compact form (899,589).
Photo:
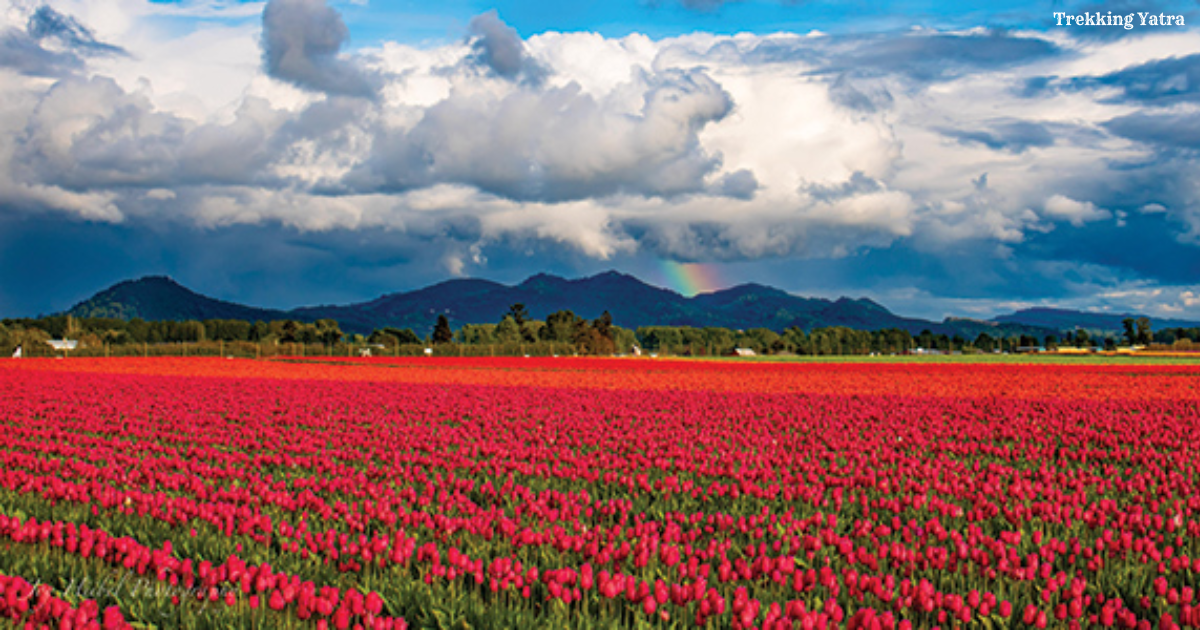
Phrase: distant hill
(161,298)
(632,303)
(1065,319)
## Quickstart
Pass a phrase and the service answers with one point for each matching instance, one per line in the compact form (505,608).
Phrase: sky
(942,158)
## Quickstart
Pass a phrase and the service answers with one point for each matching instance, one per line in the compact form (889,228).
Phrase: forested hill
(632,302)
(159,298)
(1102,323)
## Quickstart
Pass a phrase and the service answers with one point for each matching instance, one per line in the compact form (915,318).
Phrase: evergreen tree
(519,313)
(441,331)
(1130,330)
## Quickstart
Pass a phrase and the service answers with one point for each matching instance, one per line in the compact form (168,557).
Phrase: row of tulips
(223,583)
(1130,380)
(38,607)
(788,509)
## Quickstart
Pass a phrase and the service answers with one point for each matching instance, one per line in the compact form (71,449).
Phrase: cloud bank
(982,149)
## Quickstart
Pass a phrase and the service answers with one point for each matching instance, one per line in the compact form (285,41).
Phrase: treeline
(829,341)
(91,331)
(561,328)
(561,332)
(516,333)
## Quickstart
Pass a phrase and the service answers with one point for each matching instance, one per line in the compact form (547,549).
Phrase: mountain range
(631,302)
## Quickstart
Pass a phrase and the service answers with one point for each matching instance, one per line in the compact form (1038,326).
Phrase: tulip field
(597,493)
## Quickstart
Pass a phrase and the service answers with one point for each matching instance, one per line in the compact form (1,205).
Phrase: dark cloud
(264,265)
(817,230)
(858,184)
(703,241)
(866,99)
(1145,247)
(699,6)
(1035,86)
(497,46)
(46,22)
(1171,131)
(301,40)
(705,5)
(1015,136)
(1159,83)
(737,185)
(26,55)
(936,56)
(782,51)
(24,50)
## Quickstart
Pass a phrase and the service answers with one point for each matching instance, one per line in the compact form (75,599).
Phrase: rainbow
(691,278)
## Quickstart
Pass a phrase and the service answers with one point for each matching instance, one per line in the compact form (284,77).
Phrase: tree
(530,330)
(759,340)
(694,341)
(820,342)
(307,334)
(289,332)
(139,330)
(191,330)
(476,334)
(441,331)
(623,339)
(30,339)
(519,313)
(594,337)
(1130,331)
(560,327)
(1166,336)
(604,334)
(1144,335)
(659,338)
(379,337)
(403,335)
(1082,339)
(328,331)
(714,339)
(797,340)
(507,330)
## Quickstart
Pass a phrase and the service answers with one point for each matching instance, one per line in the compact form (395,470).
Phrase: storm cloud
(301,41)
(906,156)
